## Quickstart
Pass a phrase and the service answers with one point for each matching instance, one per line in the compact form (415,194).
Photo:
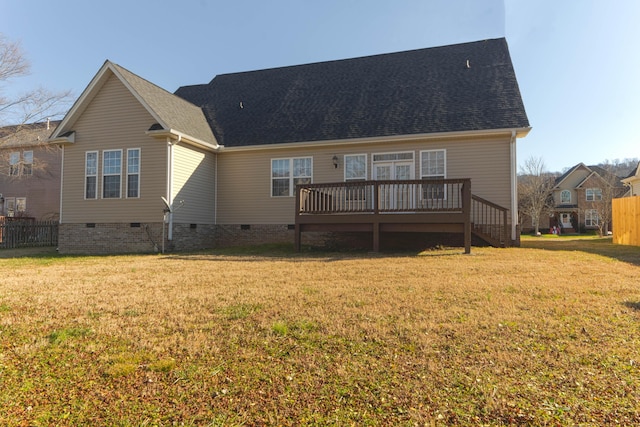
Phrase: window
(355,167)
(133,172)
(10,206)
(565,196)
(433,166)
(593,194)
(591,218)
(111,171)
(91,175)
(21,204)
(14,163)
(287,173)
(27,163)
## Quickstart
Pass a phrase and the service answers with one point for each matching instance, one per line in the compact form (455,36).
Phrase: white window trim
(86,156)
(21,204)
(589,214)
(25,163)
(10,206)
(111,174)
(412,160)
(423,175)
(366,167)
(291,176)
(139,150)
(593,191)
(565,192)
(14,163)
(374,161)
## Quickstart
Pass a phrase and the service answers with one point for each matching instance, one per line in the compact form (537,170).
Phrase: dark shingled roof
(414,92)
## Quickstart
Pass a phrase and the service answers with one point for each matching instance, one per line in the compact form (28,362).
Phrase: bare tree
(534,190)
(32,107)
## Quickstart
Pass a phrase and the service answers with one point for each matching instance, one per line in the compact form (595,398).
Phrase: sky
(576,61)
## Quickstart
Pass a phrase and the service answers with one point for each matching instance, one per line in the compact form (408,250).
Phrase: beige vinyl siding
(194,182)
(114,120)
(244,192)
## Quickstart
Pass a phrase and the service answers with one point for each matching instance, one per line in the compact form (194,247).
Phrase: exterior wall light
(335,161)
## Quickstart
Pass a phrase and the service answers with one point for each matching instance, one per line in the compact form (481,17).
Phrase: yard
(546,334)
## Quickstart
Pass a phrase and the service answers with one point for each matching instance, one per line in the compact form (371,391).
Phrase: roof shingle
(414,92)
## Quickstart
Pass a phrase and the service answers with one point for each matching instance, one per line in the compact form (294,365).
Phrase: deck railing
(444,203)
(401,196)
(490,221)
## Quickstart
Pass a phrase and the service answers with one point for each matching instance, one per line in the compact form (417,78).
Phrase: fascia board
(182,137)
(519,132)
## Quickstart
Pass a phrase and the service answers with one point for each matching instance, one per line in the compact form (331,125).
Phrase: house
(582,198)
(236,160)
(633,181)
(29,172)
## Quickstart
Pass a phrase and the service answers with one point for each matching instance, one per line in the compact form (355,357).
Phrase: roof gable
(465,87)
(171,112)
(565,177)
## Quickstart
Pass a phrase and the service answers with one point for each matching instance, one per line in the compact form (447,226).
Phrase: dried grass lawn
(546,334)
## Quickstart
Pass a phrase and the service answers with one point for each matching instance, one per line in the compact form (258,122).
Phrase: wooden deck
(435,206)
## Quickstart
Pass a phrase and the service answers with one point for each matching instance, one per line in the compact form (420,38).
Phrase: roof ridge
(356,58)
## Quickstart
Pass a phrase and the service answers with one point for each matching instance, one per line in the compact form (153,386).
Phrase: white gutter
(519,132)
(179,136)
(514,186)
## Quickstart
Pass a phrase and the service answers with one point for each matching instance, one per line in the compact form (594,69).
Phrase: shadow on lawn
(632,305)
(597,246)
(286,251)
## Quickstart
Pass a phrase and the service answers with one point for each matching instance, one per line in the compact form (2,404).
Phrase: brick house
(580,195)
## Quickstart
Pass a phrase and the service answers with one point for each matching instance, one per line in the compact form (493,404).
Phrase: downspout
(514,186)
(61,183)
(170,145)
(215,188)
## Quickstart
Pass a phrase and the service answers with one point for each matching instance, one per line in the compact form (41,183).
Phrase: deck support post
(297,245)
(466,210)
(376,236)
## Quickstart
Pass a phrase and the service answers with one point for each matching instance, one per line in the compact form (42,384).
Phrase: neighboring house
(581,194)
(633,181)
(227,155)
(29,172)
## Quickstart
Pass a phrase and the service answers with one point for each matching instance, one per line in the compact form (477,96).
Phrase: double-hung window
(591,218)
(27,163)
(91,175)
(433,166)
(133,172)
(287,173)
(21,204)
(593,194)
(355,169)
(14,163)
(111,173)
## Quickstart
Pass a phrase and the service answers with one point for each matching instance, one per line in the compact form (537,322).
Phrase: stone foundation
(98,238)
(91,239)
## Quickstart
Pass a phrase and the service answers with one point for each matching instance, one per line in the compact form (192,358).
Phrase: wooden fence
(626,221)
(27,233)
